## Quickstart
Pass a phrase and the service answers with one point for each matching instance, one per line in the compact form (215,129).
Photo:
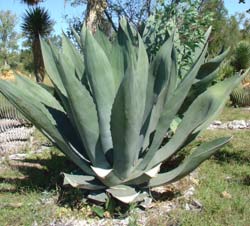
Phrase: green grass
(230,113)
(31,191)
(228,171)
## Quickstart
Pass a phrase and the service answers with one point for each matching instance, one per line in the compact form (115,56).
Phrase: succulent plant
(114,109)
(240,96)
(15,130)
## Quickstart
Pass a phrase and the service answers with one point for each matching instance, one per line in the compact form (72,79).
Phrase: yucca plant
(114,109)
(37,22)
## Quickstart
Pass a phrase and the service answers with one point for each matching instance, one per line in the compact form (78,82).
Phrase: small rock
(194,180)
(17,156)
(195,205)
(187,207)
(217,123)
(168,207)
(189,192)
(233,125)
(147,203)
(237,124)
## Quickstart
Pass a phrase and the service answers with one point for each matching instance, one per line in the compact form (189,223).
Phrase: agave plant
(114,109)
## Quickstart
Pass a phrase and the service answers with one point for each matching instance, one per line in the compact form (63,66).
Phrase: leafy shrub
(241,58)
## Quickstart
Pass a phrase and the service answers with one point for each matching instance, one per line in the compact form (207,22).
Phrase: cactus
(15,129)
(240,97)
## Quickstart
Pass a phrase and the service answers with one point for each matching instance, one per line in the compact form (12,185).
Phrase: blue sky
(57,10)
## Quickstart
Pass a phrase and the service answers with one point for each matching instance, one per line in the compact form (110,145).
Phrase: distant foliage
(8,38)
(241,58)
(239,61)
(164,17)
(183,19)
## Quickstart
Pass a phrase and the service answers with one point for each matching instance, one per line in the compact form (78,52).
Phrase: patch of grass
(230,114)
(24,208)
(224,188)
(30,191)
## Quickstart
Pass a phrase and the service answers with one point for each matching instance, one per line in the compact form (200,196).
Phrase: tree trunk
(38,61)
(95,10)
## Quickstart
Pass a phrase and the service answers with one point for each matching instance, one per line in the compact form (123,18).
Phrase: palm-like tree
(37,22)
(31,2)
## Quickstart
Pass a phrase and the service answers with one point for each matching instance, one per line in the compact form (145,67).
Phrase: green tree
(219,24)
(37,22)
(136,12)
(8,37)
(26,62)
(184,16)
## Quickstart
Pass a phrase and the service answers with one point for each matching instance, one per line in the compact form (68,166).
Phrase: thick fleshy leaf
(50,58)
(83,36)
(172,105)
(51,68)
(100,172)
(159,73)
(127,114)
(202,153)
(209,69)
(77,37)
(84,113)
(221,91)
(102,84)
(73,56)
(103,41)
(81,181)
(98,196)
(163,71)
(114,52)
(199,115)
(116,60)
(205,76)
(123,193)
(154,171)
(174,102)
(200,46)
(42,94)
(52,122)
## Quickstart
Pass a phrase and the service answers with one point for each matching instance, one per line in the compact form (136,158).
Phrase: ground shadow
(225,157)
(39,174)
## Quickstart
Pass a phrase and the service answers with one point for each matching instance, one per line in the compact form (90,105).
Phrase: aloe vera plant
(114,109)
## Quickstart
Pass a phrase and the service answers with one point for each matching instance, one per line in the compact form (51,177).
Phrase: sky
(58,10)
